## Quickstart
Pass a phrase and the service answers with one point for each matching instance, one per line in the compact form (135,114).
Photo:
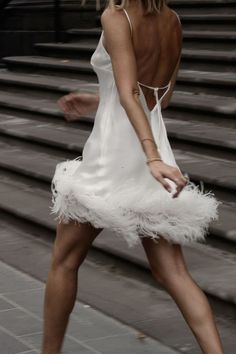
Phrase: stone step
(47,5)
(50,65)
(188,80)
(55,84)
(27,17)
(87,48)
(212,39)
(84,33)
(213,21)
(37,200)
(182,6)
(60,134)
(194,59)
(70,67)
(38,163)
(213,106)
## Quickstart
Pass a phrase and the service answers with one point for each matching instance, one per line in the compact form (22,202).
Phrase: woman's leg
(169,269)
(69,250)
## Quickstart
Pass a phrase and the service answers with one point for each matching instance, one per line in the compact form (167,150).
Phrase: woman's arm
(78,104)
(120,48)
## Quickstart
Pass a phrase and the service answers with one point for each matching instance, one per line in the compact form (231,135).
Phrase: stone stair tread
(209,17)
(207,77)
(91,45)
(180,99)
(21,101)
(172,2)
(50,82)
(212,78)
(211,34)
(88,44)
(48,5)
(201,132)
(211,103)
(218,34)
(54,134)
(204,168)
(213,269)
(209,54)
(49,62)
(70,84)
(63,134)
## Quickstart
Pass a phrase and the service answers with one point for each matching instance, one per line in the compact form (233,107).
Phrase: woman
(128,179)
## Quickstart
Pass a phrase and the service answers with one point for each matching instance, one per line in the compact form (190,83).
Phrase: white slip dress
(110,185)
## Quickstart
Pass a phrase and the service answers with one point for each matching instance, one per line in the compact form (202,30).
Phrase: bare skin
(69,251)
(78,104)
(151,51)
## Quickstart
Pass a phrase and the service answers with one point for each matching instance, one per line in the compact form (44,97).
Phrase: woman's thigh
(72,242)
(166,259)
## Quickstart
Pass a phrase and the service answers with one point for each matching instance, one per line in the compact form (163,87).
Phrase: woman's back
(157,41)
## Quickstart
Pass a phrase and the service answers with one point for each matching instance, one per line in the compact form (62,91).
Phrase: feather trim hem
(133,211)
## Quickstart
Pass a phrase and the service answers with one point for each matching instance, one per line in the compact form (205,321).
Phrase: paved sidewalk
(89,331)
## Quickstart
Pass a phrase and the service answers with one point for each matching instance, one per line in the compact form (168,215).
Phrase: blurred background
(45,50)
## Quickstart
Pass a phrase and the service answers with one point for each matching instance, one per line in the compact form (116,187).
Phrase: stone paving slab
(89,331)
(116,288)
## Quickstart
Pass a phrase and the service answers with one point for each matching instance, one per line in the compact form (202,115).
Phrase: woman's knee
(166,261)
(72,244)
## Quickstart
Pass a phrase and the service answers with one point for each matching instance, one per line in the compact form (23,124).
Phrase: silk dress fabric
(110,185)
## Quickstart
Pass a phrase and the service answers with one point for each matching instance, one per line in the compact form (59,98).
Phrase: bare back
(157,41)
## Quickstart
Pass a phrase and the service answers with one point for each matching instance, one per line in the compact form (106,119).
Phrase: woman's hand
(77,104)
(161,170)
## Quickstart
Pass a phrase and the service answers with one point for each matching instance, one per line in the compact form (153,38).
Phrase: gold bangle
(154,159)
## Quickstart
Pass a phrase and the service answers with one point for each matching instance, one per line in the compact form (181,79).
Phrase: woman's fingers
(180,182)
(165,184)
(178,179)
(161,171)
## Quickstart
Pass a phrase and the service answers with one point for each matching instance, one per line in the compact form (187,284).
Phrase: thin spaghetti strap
(152,87)
(176,15)
(131,29)
(168,88)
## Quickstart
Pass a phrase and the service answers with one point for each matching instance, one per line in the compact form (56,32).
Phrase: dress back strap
(176,15)
(131,29)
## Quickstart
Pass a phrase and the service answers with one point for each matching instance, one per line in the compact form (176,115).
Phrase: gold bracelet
(154,159)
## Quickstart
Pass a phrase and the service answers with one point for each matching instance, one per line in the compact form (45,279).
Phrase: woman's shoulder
(112,15)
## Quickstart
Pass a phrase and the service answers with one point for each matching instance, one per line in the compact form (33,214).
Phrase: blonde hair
(150,6)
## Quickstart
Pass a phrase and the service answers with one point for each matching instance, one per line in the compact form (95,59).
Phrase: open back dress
(110,185)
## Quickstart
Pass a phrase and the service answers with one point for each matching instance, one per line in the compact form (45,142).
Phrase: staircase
(200,123)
